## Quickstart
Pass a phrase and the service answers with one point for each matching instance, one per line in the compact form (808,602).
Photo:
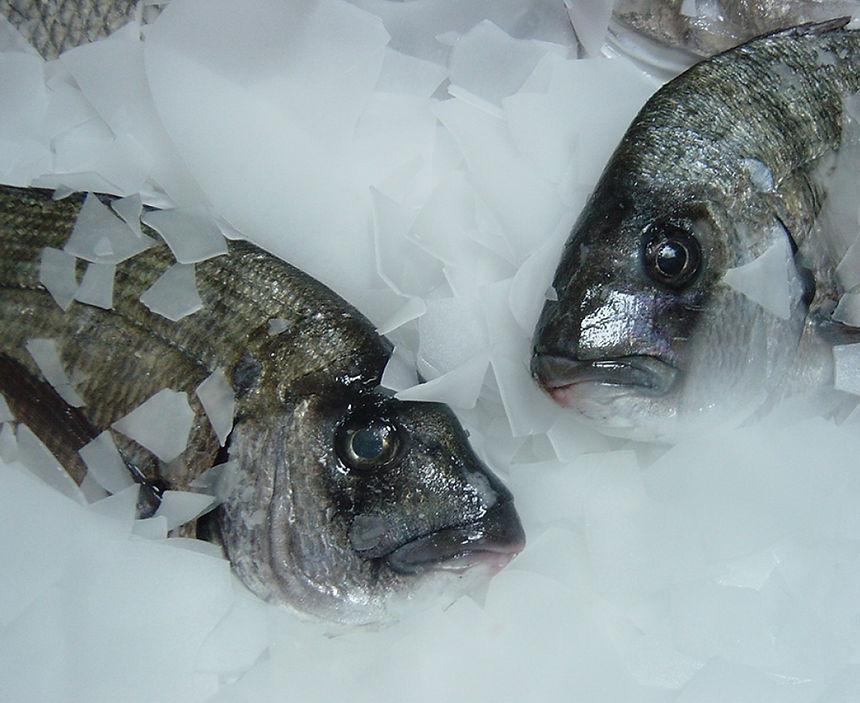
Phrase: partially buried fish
(341,499)
(652,334)
(673,34)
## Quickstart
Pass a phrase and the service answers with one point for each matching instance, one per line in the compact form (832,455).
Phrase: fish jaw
(490,542)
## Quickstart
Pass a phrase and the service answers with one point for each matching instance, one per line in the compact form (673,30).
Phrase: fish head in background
(659,328)
(362,502)
(637,286)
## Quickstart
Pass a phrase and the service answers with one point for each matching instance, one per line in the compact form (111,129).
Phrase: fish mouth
(558,375)
(492,541)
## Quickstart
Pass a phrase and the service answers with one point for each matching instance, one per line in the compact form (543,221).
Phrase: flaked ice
(47,358)
(174,295)
(847,369)
(767,280)
(191,233)
(97,286)
(102,237)
(218,401)
(179,507)
(105,464)
(161,424)
(57,274)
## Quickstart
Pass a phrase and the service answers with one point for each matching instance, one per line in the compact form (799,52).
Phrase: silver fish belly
(339,500)
(721,167)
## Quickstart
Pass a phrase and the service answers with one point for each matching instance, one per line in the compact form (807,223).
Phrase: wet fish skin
(659,32)
(639,355)
(305,520)
(53,26)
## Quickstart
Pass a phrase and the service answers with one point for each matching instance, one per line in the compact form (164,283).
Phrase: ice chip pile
(426,159)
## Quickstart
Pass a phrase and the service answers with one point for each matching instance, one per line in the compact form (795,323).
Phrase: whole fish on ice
(652,332)
(340,500)
(673,34)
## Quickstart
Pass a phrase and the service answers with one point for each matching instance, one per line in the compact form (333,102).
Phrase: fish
(646,332)
(671,35)
(340,501)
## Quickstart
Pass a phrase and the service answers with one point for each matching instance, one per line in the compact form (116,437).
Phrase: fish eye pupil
(367,444)
(671,258)
(672,255)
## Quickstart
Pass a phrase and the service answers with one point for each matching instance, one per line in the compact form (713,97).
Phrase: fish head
(644,338)
(363,502)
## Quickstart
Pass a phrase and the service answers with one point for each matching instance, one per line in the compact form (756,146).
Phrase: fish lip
(642,372)
(492,540)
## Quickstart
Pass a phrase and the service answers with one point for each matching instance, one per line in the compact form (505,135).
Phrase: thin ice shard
(47,358)
(217,398)
(97,286)
(5,413)
(102,237)
(847,361)
(57,274)
(766,279)
(179,507)
(105,464)
(129,209)
(161,424)
(174,295)
(191,233)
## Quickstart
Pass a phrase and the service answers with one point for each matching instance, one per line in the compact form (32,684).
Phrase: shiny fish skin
(660,33)
(52,26)
(730,154)
(302,521)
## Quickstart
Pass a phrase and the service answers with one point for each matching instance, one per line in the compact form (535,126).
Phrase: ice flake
(491,65)
(8,442)
(120,507)
(161,424)
(767,280)
(759,174)
(403,265)
(452,331)
(179,507)
(847,360)
(459,387)
(276,325)
(47,358)
(57,274)
(400,372)
(97,286)
(129,209)
(217,398)
(406,75)
(191,233)
(102,237)
(151,528)
(589,18)
(848,309)
(105,464)
(36,456)
(5,413)
(174,295)
(527,408)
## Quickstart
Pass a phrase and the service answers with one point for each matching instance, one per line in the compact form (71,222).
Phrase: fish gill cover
(726,565)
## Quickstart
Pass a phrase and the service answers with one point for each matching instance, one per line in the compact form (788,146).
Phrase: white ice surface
(217,398)
(174,295)
(724,568)
(161,424)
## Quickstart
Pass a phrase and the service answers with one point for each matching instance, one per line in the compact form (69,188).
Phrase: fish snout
(645,374)
(493,540)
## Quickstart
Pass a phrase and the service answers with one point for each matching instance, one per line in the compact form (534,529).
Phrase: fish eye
(672,255)
(364,443)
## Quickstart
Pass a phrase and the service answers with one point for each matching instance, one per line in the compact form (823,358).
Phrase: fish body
(724,166)
(673,34)
(340,499)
